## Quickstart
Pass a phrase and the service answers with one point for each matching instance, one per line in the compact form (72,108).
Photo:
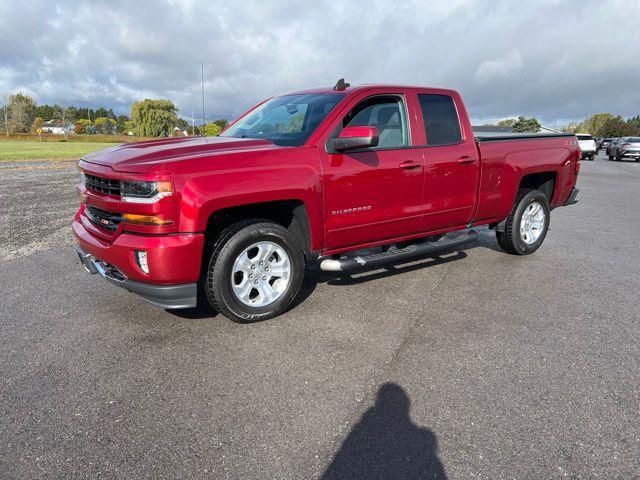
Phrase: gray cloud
(558,60)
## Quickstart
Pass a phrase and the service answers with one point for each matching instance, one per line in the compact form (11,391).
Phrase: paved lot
(476,365)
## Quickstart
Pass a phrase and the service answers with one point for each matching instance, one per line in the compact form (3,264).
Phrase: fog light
(141,258)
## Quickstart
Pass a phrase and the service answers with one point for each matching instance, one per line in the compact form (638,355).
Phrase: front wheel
(526,227)
(255,271)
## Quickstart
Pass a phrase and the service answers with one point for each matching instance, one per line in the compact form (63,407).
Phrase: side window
(440,119)
(384,113)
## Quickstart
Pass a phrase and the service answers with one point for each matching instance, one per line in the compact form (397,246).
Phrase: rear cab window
(441,122)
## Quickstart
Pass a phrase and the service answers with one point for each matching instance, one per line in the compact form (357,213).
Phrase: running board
(447,242)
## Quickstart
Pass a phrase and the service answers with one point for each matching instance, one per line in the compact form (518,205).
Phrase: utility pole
(202,84)
(64,124)
(193,125)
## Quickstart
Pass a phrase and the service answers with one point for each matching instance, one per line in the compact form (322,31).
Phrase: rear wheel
(526,227)
(254,272)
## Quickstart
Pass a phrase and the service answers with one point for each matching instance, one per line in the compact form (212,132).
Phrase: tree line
(520,124)
(149,118)
(603,125)
(159,118)
(599,125)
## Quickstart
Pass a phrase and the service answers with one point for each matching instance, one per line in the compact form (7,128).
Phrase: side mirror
(352,138)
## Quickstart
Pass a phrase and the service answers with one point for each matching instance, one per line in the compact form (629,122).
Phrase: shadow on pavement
(314,276)
(203,310)
(386,444)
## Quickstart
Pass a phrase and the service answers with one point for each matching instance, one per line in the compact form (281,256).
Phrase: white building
(57,128)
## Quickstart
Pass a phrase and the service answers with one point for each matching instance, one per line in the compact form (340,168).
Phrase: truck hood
(139,157)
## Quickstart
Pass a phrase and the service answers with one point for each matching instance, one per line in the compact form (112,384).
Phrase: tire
(501,241)
(511,240)
(242,239)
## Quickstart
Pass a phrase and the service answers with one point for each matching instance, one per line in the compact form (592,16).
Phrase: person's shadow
(385,444)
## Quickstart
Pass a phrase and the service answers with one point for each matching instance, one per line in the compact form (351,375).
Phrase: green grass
(36,150)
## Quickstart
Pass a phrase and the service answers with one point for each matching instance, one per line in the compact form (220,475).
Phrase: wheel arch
(291,214)
(545,181)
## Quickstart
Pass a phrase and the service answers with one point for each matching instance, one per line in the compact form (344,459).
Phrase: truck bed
(508,158)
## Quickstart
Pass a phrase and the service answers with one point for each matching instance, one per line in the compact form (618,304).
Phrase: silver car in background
(625,147)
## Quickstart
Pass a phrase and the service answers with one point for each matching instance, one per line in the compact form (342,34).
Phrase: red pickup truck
(312,177)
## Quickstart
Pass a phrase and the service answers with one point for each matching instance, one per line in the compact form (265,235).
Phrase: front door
(375,193)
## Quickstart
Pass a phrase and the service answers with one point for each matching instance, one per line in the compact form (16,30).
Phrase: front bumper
(163,296)
(174,263)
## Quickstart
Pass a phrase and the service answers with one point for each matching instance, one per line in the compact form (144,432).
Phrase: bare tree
(5,109)
(22,112)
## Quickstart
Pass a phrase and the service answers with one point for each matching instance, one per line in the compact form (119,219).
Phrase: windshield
(634,139)
(584,137)
(288,120)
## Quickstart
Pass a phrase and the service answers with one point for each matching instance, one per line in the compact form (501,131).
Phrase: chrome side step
(447,242)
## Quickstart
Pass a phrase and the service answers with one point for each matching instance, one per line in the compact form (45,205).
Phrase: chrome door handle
(466,159)
(409,164)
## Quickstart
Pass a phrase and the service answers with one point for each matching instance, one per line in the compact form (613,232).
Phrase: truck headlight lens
(137,191)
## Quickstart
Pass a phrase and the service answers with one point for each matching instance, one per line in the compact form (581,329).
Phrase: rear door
(451,161)
(375,193)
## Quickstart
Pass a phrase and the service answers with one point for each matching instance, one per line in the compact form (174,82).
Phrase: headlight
(136,191)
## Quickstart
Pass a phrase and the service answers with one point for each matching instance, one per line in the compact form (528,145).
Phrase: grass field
(36,150)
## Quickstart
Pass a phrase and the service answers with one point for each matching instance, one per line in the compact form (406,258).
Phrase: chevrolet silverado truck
(342,177)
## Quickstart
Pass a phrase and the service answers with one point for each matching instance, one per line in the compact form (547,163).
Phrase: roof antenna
(341,85)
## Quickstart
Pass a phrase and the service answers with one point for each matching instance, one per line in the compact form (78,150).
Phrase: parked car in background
(626,147)
(587,146)
(611,147)
(605,142)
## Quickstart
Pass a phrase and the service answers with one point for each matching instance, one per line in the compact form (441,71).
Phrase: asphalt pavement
(476,364)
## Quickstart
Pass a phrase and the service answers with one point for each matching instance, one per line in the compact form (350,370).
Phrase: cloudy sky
(557,60)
